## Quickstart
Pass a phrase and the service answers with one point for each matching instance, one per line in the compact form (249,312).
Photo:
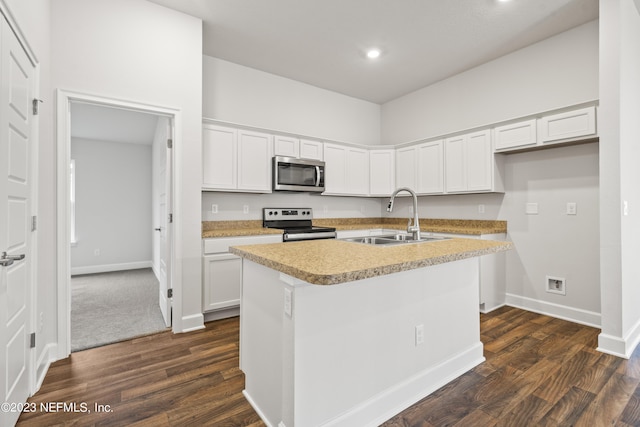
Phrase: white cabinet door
(254,161)
(335,179)
(219,157)
(222,281)
(286,146)
(346,170)
(357,171)
(479,159)
(406,163)
(381,172)
(455,164)
(568,125)
(469,163)
(310,149)
(430,175)
(516,135)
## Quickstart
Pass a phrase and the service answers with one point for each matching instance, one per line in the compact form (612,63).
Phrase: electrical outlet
(531,209)
(288,302)
(481,209)
(419,334)
(572,208)
(96,252)
(214,209)
(245,209)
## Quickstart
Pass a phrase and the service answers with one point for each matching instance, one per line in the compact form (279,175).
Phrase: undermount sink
(392,239)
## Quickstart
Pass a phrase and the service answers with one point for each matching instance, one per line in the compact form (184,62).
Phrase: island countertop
(330,262)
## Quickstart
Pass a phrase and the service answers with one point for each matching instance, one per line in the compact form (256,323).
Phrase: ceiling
(323,42)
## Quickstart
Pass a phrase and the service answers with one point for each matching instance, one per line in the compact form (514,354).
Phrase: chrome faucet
(415,229)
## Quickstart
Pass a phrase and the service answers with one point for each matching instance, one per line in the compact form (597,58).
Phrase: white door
(165,229)
(17,78)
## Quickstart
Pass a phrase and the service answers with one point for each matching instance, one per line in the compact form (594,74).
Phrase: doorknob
(7,260)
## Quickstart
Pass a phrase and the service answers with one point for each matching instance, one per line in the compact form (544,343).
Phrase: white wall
(242,95)
(113,206)
(138,51)
(559,71)
(619,134)
(230,205)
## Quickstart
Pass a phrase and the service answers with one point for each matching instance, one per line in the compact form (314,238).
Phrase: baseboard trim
(620,346)
(192,323)
(106,268)
(225,313)
(583,317)
(42,364)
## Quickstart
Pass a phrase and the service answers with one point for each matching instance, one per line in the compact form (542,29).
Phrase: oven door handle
(308,236)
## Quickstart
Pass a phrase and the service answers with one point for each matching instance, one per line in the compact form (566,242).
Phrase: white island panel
(347,355)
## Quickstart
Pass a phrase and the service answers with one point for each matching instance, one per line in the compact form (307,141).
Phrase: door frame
(64,99)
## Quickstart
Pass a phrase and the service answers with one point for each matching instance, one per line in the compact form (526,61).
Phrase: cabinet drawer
(220,245)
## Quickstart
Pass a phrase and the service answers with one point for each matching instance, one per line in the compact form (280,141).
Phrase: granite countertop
(211,229)
(329,262)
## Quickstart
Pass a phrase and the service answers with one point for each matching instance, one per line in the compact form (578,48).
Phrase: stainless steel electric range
(296,224)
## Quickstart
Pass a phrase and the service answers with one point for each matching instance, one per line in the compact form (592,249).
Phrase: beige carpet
(112,307)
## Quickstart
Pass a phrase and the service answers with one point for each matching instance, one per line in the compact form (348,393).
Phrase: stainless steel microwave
(291,174)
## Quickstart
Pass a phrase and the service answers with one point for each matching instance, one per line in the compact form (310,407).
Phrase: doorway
(115,215)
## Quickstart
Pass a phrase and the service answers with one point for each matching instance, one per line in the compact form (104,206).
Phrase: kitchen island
(336,333)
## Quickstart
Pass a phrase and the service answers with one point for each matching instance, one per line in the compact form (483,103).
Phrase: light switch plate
(531,209)
(572,208)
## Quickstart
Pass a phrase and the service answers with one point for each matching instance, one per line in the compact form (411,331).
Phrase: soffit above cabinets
(324,43)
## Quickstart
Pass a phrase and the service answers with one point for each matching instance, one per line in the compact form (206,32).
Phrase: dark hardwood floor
(540,371)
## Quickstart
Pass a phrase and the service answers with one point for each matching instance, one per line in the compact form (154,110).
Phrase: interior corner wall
(101,49)
(238,94)
(619,129)
(113,206)
(554,73)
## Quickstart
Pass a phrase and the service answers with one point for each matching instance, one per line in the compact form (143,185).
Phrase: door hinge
(171,218)
(35,103)
(33,340)
(34,223)
(169,143)
(170,293)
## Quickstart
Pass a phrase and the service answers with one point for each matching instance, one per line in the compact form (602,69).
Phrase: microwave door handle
(317,176)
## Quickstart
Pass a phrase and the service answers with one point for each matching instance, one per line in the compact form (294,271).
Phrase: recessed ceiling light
(373,53)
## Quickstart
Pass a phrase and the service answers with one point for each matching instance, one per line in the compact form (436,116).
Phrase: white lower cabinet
(222,271)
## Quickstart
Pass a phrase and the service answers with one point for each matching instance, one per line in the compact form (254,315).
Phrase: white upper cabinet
(406,167)
(311,149)
(430,173)
(286,146)
(547,129)
(515,135)
(254,161)
(219,157)
(346,170)
(236,160)
(470,165)
(568,125)
(381,172)
(421,167)
(298,148)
